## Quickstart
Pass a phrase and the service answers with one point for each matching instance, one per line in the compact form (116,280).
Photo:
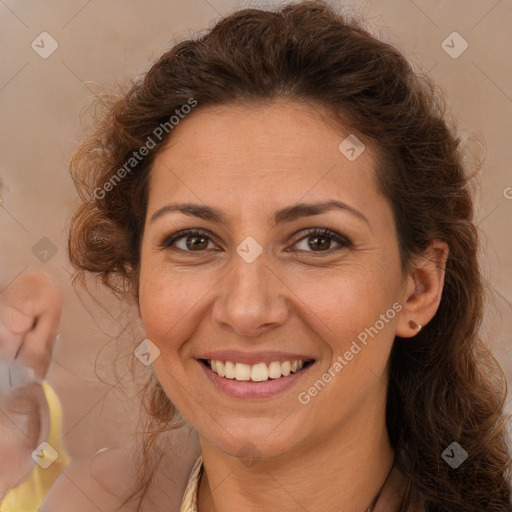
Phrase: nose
(252,299)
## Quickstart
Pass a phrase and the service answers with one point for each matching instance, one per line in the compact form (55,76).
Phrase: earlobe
(424,289)
(414,326)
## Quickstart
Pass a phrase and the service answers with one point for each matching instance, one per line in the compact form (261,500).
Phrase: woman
(287,206)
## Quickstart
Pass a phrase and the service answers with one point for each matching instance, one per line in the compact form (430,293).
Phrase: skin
(30,310)
(24,423)
(313,301)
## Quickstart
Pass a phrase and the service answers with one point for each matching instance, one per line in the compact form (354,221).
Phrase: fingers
(37,347)
(30,311)
(32,294)
(15,321)
(24,424)
(10,342)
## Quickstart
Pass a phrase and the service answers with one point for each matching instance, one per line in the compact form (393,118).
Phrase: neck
(342,471)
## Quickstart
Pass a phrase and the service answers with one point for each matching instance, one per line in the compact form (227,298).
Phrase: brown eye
(320,240)
(191,240)
(194,242)
(317,240)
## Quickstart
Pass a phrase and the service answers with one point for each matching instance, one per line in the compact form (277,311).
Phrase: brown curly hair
(444,387)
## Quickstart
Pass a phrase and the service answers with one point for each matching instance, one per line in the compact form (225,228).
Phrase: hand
(24,424)
(30,310)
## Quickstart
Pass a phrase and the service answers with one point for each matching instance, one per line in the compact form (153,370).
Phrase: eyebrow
(288,214)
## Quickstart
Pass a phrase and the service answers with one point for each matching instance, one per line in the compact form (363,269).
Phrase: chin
(257,446)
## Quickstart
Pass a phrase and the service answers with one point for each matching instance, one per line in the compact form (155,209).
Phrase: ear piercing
(414,326)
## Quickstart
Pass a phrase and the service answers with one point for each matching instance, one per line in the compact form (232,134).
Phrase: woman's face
(257,287)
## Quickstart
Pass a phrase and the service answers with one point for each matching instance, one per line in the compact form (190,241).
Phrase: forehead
(282,130)
(250,156)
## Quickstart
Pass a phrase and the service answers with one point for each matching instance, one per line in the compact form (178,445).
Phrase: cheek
(161,309)
(345,311)
(346,304)
(170,303)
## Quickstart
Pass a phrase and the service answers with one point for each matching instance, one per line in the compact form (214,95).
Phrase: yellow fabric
(189,503)
(28,495)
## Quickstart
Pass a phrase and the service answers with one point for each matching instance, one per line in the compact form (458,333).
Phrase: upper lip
(254,358)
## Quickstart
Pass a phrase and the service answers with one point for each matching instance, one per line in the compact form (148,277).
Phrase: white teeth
(242,371)
(220,369)
(229,370)
(274,370)
(258,372)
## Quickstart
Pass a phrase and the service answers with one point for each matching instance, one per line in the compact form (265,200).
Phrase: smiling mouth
(259,372)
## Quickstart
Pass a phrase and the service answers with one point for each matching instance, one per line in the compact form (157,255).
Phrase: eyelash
(343,241)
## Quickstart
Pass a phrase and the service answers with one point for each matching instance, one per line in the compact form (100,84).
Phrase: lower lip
(248,389)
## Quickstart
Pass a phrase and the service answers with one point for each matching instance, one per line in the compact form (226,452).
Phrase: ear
(423,290)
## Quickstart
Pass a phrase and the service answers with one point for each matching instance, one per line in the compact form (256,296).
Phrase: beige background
(43,100)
